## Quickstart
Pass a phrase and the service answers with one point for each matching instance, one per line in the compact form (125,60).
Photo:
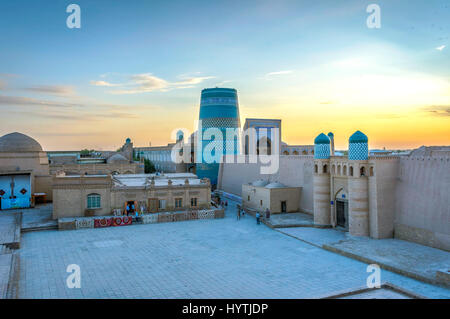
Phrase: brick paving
(7,227)
(218,258)
(5,268)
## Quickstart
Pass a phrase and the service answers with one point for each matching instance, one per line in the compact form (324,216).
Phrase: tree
(149,167)
(86,152)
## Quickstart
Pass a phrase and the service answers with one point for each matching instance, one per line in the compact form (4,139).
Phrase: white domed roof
(117,158)
(275,185)
(260,183)
(18,142)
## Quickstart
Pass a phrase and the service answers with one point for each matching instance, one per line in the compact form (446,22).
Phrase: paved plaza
(219,258)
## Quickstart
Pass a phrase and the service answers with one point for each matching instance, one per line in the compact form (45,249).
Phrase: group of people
(257,215)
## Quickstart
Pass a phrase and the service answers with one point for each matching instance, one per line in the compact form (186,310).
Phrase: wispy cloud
(147,82)
(438,110)
(279,73)
(51,89)
(440,48)
(103,83)
(21,100)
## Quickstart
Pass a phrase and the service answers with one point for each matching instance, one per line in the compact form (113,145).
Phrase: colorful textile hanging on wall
(122,221)
(103,222)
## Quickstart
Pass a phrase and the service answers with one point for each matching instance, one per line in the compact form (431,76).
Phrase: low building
(24,172)
(261,195)
(100,195)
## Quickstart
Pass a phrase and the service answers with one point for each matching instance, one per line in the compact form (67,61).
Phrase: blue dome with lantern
(321,139)
(358,137)
(128,140)
(358,147)
(322,147)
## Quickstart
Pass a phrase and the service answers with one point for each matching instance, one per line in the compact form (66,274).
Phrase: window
(260,202)
(325,168)
(351,170)
(93,201)
(345,170)
(178,202)
(362,171)
(194,202)
(162,204)
(315,168)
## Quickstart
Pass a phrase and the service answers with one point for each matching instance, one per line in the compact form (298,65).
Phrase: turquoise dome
(330,135)
(358,137)
(128,140)
(321,139)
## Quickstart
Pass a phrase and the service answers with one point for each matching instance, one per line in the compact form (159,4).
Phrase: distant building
(95,163)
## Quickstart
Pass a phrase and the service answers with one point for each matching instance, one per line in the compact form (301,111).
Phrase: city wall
(422,200)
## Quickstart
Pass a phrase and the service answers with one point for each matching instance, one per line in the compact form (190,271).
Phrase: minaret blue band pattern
(358,151)
(219,108)
(358,147)
(322,151)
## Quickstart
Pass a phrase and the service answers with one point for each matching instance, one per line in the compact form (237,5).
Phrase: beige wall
(382,195)
(70,195)
(270,198)
(422,200)
(294,170)
(202,193)
(99,169)
(36,163)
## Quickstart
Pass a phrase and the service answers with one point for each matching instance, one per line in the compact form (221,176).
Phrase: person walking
(267,213)
(258,218)
(238,213)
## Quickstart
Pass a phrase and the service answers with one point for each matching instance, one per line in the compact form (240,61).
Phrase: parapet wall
(294,170)
(422,200)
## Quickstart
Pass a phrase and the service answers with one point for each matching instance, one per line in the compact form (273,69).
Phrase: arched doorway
(341,209)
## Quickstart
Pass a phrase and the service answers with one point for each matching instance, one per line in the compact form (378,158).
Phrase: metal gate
(342,213)
(15,191)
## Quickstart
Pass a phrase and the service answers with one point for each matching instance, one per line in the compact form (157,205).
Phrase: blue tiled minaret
(219,108)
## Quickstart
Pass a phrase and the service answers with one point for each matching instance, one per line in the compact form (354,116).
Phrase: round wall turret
(358,154)
(321,180)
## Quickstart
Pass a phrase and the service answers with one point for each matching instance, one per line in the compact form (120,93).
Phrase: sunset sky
(136,68)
